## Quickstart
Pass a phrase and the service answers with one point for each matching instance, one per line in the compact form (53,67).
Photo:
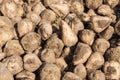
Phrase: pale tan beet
(100,23)
(31,62)
(45,30)
(65,52)
(4,73)
(112,3)
(13,47)
(117,27)
(68,36)
(61,64)
(38,8)
(107,33)
(95,61)
(34,17)
(13,63)
(82,53)
(96,75)
(101,45)
(10,9)
(70,76)
(74,22)
(55,44)
(2,55)
(24,26)
(47,55)
(87,36)
(93,4)
(114,54)
(50,71)
(25,75)
(105,10)
(31,41)
(48,15)
(112,70)
(80,70)
(76,6)
(61,9)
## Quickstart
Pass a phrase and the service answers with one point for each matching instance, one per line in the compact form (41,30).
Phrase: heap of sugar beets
(59,40)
